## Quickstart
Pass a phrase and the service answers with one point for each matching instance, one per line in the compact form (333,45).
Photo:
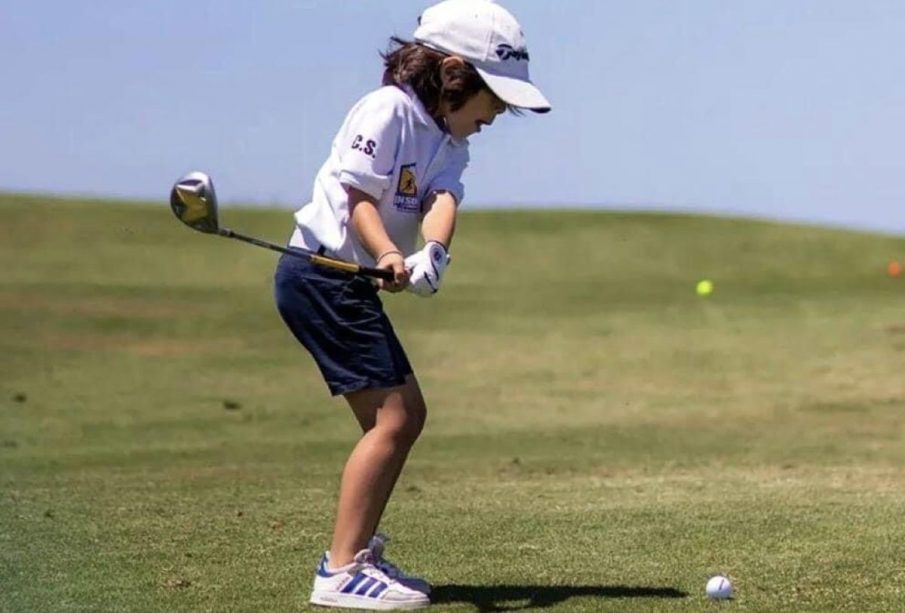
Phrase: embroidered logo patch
(407,190)
(408,184)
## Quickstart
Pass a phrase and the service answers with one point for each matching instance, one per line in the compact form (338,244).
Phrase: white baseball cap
(488,37)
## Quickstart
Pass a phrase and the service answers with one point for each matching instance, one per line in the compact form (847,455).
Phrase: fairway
(599,437)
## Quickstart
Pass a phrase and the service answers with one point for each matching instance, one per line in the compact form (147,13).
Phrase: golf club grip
(355,269)
(320,260)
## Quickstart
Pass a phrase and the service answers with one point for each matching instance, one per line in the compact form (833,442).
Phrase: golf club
(194,202)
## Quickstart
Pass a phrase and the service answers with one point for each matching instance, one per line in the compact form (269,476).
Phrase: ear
(447,66)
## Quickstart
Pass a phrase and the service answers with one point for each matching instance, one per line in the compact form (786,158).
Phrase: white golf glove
(426,269)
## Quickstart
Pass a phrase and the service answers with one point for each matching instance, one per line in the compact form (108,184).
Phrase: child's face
(481,109)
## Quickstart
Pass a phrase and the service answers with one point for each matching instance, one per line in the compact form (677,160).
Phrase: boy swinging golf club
(394,172)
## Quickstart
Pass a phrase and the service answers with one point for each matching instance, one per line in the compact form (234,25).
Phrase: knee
(406,428)
(419,418)
(416,416)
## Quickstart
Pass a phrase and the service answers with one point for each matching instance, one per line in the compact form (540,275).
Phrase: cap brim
(522,94)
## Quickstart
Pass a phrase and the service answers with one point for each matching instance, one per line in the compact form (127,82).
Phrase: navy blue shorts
(340,320)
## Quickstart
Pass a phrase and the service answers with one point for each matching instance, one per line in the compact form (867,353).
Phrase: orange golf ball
(894,269)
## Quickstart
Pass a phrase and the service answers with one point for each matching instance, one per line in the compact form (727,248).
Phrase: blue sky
(787,109)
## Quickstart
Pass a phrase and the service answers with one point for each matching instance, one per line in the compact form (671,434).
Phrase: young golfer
(394,169)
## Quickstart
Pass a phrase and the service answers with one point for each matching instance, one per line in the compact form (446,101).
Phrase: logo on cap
(506,51)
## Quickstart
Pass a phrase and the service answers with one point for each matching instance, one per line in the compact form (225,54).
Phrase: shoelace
(377,545)
(366,557)
(388,568)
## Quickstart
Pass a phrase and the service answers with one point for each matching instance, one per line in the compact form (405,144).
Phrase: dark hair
(413,64)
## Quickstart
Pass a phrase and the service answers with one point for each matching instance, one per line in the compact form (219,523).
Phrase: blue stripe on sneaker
(322,568)
(351,585)
(377,591)
(365,586)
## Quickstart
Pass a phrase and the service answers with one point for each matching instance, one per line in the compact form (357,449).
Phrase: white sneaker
(377,545)
(361,585)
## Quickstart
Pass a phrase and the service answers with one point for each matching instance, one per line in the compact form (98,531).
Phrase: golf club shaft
(320,260)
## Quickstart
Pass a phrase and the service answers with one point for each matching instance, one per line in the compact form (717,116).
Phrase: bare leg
(391,420)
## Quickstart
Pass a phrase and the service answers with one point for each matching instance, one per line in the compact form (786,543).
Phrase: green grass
(599,438)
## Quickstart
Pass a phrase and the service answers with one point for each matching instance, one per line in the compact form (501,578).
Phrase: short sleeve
(450,178)
(367,144)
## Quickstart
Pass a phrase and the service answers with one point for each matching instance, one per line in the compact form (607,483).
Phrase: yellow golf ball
(704,288)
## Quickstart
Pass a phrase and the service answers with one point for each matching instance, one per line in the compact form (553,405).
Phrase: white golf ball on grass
(719,588)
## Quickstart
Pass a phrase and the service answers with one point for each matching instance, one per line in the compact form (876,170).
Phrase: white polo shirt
(390,148)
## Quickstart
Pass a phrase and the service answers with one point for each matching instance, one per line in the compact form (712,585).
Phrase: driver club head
(194,202)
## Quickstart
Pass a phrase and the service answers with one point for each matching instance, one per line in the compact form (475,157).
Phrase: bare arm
(368,226)
(439,222)
(438,225)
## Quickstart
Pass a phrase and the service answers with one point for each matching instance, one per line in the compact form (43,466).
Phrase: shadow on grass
(514,597)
